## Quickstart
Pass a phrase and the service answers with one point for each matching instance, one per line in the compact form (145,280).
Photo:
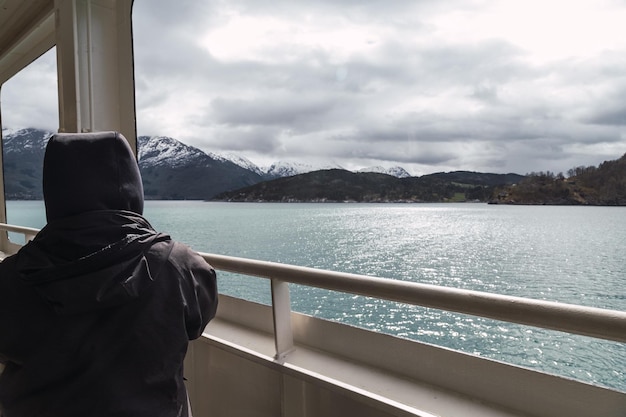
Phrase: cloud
(429,85)
(613,116)
(421,84)
(30,98)
(281,111)
(611,110)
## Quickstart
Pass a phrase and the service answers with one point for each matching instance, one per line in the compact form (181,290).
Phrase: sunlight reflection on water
(567,254)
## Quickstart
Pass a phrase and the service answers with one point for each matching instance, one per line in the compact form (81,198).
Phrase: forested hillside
(336,185)
(603,185)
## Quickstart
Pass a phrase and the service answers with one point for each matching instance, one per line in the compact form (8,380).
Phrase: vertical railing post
(281,310)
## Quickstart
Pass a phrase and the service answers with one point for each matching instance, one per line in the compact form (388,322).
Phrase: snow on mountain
(277,169)
(377,169)
(22,139)
(288,169)
(163,150)
(396,171)
(238,160)
(281,169)
(167,151)
(7,132)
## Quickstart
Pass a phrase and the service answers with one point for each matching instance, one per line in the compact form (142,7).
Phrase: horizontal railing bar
(575,319)
(27,231)
(588,321)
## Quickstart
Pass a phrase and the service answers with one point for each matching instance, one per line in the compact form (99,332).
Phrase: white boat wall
(258,360)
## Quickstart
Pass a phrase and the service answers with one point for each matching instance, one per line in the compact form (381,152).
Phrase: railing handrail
(588,321)
(27,231)
(6,246)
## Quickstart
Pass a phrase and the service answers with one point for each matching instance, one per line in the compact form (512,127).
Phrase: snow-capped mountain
(25,139)
(173,170)
(277,169)
(240,161)
(7,132)
(396,171)
(170,168)
(23,162)
(287,169)
(160,150)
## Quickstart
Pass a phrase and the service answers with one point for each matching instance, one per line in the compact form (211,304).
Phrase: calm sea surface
(566,254)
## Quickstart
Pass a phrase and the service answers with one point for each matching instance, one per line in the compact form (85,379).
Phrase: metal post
(281,310)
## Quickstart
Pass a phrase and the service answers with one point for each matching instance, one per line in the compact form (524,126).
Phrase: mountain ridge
(174,170)
(339,185)
(170,168)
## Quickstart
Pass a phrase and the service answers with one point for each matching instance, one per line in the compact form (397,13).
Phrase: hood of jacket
(92,252)
(90,171)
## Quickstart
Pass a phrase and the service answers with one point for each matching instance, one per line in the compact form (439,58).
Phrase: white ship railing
(6,246)
(575,319)
(588,321)
(28,232)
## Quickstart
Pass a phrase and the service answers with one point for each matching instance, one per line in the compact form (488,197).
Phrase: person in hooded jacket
(96,312)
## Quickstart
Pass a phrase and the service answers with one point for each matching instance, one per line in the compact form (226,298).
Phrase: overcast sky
(490,86)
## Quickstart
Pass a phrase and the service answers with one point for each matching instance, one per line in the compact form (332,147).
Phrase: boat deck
(338,370)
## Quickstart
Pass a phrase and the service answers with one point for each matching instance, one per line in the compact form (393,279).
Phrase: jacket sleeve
(198,289)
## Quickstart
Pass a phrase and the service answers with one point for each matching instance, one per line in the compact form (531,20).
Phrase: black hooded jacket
(96,312)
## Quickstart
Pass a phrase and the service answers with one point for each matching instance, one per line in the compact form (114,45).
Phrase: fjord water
(566,254)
